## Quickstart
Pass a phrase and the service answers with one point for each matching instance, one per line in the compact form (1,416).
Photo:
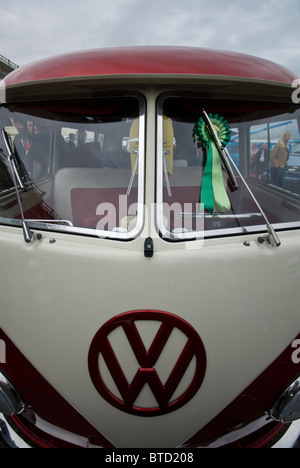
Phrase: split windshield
(82,166)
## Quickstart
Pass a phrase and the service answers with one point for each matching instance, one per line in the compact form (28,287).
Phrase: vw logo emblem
(181,381)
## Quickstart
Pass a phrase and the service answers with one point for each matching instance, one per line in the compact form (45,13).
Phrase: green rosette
(213,193)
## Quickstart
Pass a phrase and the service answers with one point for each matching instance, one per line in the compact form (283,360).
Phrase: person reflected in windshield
(20,139)
(279,158)
(72,141)
(36,160)
(261,161)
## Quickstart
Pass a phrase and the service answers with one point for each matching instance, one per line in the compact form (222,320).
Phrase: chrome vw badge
(147,363)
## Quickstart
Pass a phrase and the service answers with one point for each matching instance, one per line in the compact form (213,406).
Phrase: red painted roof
(151,61)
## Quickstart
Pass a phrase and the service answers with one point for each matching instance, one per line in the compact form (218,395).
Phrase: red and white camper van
(149,292)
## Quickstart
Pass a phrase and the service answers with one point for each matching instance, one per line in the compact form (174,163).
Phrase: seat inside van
(78,193)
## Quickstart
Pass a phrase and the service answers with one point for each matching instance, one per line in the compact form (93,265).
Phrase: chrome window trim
(52,227)
(68,228)
(159,170)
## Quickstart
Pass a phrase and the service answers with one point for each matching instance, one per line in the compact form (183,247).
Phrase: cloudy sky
(34,29)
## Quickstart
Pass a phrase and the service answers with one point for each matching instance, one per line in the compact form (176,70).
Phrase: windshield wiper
(11,160)
(221,149)
(29,236)
(273,237)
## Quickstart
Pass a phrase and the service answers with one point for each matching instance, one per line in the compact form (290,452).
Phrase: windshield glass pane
(263,141)
(81,163)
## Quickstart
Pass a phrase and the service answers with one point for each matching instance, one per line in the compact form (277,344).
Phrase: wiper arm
(11,159)
(221,149)
(274,239)
(29,236)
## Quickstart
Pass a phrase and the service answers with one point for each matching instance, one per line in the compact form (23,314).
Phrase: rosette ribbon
(213,193)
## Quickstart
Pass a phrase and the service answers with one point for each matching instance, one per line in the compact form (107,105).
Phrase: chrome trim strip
(9,438)
(291,439)
(10,401)
(256,229)
(159,173)
(286,408)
